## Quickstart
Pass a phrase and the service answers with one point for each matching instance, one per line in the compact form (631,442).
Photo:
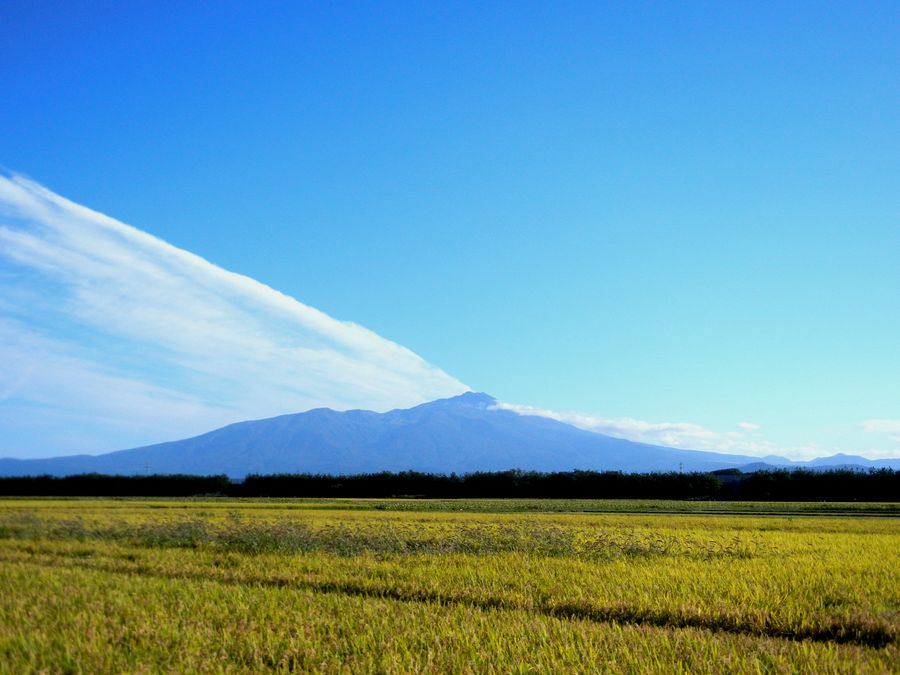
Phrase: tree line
(781,485)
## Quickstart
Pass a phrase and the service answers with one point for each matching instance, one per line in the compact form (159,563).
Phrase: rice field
(401,586)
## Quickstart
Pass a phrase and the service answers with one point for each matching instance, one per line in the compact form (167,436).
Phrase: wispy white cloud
(675,434)
(685,435)
(883,426)
(124,331)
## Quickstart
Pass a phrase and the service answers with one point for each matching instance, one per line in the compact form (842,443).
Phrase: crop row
(386,537)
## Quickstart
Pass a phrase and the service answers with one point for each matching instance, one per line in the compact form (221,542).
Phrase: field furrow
(873,634)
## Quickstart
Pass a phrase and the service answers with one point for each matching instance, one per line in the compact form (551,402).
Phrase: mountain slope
(461,434)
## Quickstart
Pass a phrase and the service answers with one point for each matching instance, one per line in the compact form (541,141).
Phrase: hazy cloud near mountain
(111,337)
(685,435)
(889,427)
(745,439)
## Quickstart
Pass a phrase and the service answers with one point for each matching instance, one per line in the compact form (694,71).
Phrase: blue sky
(673,219)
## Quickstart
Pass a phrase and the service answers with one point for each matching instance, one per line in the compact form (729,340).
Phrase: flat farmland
(449,585)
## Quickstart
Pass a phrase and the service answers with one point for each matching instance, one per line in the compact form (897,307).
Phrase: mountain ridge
(461,434)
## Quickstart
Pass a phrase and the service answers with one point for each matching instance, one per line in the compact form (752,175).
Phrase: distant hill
(838,461)
(460,434)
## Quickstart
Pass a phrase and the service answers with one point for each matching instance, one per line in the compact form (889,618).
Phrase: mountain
(464,433)
(854,461)
(830,463)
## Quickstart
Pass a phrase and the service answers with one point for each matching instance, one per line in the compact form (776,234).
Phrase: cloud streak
(884,426)
(140,341)
(685,435)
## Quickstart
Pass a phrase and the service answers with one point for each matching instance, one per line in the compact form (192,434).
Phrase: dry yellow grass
(126,585)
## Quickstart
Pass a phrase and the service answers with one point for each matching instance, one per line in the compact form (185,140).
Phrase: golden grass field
(415,586)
